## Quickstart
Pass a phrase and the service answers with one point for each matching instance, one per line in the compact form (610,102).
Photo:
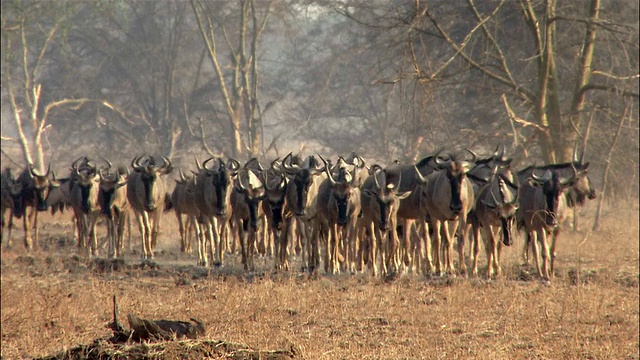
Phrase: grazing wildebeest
(29,196)
(145,193)
(542,205)
(379,201)
(247,194)
(213,199)
(338,206)
(112,198)
(495,211)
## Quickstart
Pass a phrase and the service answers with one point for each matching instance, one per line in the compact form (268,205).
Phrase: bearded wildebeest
(145,193)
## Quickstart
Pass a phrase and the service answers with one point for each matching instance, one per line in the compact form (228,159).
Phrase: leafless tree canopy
(391,80)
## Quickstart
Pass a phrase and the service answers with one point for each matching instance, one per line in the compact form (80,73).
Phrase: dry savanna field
(56,300)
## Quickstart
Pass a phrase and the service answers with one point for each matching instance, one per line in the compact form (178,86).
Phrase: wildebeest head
(252,189)
(219,176)
(341,188)
(455,171)
(504,205)
(149,173)
(110,183)
(15,191)
(86,179)
(40,185)
(582,188)
(385,193)
(302,178)
(553,186)
(275,183)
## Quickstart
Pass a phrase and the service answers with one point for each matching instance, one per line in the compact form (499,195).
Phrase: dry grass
(52,300)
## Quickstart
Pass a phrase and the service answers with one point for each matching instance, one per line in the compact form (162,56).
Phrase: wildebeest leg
(545,252)
(282,262)
(217,227)
(533,237)
(436,246)
(147,250)
(383,246)
(475,248)
(36,230)
(28,242)
(181,231)
(155,229)
(527,247)
(202,242)
(462,238)
(241,229)
(554,238)
(373,256)
(93,219)
(335,249)
(489,244)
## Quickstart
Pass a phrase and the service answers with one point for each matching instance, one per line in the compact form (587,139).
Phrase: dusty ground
(54,299)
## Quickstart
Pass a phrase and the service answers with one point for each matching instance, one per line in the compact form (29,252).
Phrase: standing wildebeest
(247,194)
(182,201)
(412,209)
(379,201)
(84,200)
(275,185)
(542,206)
(495,211)
(300,206)
(112,198)
(212,199)
(145,193)
(7,181)
(448,197)
(29,196)
(338,206)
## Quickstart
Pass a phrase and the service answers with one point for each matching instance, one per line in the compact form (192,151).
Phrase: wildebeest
(29,196)
(300,206)
(145,193)
(338,206)
(84,200)
(495,211)
(448,196)
(213,194)
(112,198)
(182,201)
(379,201)
(248,192)
(7,181)
(275,184)
(542,204)
(412,209)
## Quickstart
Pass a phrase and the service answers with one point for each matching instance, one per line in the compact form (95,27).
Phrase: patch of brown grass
(53,301)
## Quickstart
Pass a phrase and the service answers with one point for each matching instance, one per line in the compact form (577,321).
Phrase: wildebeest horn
(198,165)
(573,176)
(239,184)
(274,165)
(182,177)
(327,170)
(419,175)
(135,163)
(374,168)
(109,165)
(233,165)
(475,156)
(287,166)
(375,179)
(213,169)
(166,167)
(437,160)
(32,170)
(536,177)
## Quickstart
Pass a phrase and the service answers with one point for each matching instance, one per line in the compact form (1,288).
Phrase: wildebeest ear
(403,195)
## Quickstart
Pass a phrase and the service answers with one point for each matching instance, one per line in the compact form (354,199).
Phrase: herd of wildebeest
(356,217)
